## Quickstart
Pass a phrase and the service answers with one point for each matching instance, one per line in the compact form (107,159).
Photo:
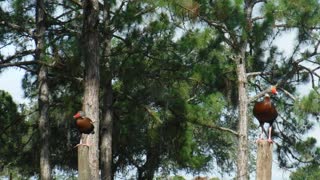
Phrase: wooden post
(264,160)
(83,161)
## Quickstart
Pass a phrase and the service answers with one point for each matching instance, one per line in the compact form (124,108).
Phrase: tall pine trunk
(44,125)
(242,166)
(243,150)
(89,157)
(106,135)
(43,100)
(107,121)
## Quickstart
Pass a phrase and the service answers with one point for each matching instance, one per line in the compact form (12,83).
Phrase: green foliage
(309,104)
(297,14)
(177,177)
(161,111)
(172,80)
(306,173)
(15,135)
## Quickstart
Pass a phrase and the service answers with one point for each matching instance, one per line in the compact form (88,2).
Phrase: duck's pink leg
(269,138)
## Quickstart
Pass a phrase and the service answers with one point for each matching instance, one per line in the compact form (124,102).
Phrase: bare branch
(296,67)
(118,37)
(314,62)
(315,69)
(288,94)
(258,73)
(262,93)
(257,18)
(212,126)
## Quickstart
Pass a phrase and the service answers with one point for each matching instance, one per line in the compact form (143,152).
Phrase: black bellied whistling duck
(84,125)
(266,112)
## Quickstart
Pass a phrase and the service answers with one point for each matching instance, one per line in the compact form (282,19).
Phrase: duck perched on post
(84,125)
(266,112)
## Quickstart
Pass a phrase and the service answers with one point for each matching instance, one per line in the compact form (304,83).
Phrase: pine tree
(245,35)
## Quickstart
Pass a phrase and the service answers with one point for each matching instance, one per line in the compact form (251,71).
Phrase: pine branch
(13,123)
(296,67)
(17,121)
(25,63)
(116,14)
(280,83)
(290,142)
(76,2)
(212,126)
(3,65)
(219,26)
(286,26)
(16,55)
(18,28)
(152,114)
(28,69)
(312,74)
(222,28)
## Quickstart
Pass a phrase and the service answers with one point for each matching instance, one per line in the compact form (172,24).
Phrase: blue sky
(10,81)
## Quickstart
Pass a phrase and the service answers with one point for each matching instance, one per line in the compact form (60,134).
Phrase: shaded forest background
(171,77)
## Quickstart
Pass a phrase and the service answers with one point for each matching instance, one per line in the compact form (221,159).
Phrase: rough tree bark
(242,164)
(43,100)
(106,135)
(44,125)
(89,157)
(107,121)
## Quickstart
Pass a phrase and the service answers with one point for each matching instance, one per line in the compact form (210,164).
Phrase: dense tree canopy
(175,77)
(308,172)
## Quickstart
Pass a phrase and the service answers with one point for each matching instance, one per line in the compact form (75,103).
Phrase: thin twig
(288,94)
(258,73)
